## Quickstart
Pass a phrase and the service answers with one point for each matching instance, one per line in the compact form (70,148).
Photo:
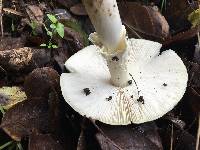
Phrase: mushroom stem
(117,64)
(105,17)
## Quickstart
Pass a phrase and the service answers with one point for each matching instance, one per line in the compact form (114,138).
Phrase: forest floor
(37,37)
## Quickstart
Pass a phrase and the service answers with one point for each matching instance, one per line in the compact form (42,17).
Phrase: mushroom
(118,80)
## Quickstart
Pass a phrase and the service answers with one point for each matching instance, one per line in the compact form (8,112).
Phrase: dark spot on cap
(109,98)
(114,5)
(115,58)
(86,91)
(131,96)
(141,99)
(164,84)
(130,82)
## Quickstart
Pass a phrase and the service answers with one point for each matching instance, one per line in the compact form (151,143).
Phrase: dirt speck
(87,91)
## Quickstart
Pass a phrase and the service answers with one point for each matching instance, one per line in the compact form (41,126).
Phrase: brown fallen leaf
(152,25)
(81,142)
(182,36)
(78,9)
(60,56)
(8,43)
(194,99)
(25,58)
(35,14)
(43,142)
(10,96)
(41,81)
(183,141)
(142,137)
(177,12)
(75,38)
(36,18)
(25,117)
(67,3)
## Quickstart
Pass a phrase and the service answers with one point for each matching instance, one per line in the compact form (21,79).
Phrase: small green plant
(10,145)
(55,28)
(33,26)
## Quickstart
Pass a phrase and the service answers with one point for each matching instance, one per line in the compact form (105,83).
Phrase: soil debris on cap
(141,99)
(109,98)
(87,91)
(130,82)
(164,84)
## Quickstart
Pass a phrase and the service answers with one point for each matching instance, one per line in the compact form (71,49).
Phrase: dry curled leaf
(25,58)
(8,43)
(43,142)
(41,81)
(152,25)
(25,117)
(35,14)
(9,96)
(182,36)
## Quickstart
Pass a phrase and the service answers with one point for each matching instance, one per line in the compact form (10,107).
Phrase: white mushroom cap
(159,80)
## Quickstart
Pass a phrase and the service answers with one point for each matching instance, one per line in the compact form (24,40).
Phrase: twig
(198,133)
(172,138)
(1,16)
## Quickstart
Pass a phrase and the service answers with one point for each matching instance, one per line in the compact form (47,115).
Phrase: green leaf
(52,18)
(19,145)
(43,45)
(53,26)
(49,33)
(2,110)
(194,18)
(6,145)
(33,25)
(54,46)
(60,29)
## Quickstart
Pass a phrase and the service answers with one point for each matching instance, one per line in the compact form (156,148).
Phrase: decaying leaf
(40,82)
(194,18)
(177,12)
(182,36)
(67,3)
(25,117)
(183,141)
(12,11)
(78,9)
(24,58)
(142,137)
(9,96)
(8,43)
(35,14)
(152,25)
(44,142)
(60,56)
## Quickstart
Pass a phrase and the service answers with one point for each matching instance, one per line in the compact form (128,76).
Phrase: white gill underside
(160,80)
